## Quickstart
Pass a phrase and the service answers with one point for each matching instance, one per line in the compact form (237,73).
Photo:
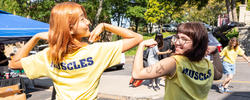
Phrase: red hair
(62,19)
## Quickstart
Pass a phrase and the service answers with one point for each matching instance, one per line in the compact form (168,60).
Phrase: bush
(233,33)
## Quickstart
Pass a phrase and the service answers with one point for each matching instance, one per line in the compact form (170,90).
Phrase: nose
(177,42)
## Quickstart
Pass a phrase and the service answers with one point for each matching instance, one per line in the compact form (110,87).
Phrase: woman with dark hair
(153,57)
(3,59)
(229,54)
(188,74)
(75,67)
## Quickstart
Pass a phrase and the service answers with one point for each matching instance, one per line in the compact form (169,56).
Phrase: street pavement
(114,85)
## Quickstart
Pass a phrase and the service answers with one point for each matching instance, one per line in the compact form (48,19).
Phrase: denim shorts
(228,68)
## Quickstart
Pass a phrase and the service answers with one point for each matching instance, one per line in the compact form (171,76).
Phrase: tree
(135,12)
(232,8)
(165,11)
(208,14)
(98,12)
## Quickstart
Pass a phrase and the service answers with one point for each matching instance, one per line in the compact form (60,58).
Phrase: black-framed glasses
(181,41)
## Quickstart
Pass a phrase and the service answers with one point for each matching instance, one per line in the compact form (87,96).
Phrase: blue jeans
(228,68)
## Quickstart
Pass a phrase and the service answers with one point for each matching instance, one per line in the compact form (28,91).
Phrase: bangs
(186,29)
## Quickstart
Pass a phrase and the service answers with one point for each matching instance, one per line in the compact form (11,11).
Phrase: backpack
(145,57)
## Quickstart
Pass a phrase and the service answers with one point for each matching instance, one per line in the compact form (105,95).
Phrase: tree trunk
(136,25)
(229,11)
(98,12)
(234,12)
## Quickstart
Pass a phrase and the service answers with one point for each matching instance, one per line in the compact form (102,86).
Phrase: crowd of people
(75,67)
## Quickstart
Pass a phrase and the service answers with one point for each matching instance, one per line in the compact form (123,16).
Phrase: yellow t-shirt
(77,77)
(231,55)
(191,81)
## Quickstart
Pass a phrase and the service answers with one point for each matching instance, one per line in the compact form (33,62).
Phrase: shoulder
(179,57)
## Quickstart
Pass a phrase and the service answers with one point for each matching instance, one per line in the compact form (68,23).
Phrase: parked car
(209,27)
(120,65)
(169,28)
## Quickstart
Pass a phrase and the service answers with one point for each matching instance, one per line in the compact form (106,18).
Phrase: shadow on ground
(238,96)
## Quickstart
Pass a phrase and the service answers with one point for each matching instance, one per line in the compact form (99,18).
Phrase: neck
(78,44)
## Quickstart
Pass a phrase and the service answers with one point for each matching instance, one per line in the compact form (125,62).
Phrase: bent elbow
(140,38)
(135,75)
(15,65)
(11,65)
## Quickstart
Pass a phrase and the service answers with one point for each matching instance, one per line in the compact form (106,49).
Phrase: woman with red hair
(75,67)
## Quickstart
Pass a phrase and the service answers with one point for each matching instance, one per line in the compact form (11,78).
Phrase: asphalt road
(240,84)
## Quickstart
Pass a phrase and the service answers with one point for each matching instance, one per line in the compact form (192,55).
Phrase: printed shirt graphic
(231,55)
(191,81)
(77,77)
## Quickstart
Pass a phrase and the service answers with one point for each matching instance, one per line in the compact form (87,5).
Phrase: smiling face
(192,40)
(182,43)
(81,28)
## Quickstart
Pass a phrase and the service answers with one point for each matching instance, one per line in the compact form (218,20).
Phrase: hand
(94,36)
(42,35)
(210,49)
(149,43)
(168,51)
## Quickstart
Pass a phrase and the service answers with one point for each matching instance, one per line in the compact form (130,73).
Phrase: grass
(132,51)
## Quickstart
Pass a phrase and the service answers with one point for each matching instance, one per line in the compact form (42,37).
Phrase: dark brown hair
(230,44)
(198,33)
(159,40)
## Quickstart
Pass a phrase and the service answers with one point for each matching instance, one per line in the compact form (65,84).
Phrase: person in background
(153,57)
(189,74)
(75,67)
(3,59)
(229,55)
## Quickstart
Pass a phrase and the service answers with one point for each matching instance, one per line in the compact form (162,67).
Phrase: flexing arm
(163,67)
(24,51)
(130,38)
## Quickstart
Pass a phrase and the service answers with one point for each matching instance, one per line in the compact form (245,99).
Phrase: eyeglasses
(181,41)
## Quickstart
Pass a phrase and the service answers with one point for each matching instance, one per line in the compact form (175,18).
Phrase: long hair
(230,44)
(198,33)
(159,40)
(62,19)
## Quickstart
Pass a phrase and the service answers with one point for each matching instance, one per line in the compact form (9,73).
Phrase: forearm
(123,32)
(161,53)
(138,61)
(130,38)
(23,52)
(245,57)
(3,61)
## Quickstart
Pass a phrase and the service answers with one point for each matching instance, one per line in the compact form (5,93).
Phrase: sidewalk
(117,87)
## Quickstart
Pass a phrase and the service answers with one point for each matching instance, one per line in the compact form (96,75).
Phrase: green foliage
(208,14)
(39,10)
(248,5)
(154,12)
(233,33)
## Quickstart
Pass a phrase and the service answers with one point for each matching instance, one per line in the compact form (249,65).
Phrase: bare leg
(227,80)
